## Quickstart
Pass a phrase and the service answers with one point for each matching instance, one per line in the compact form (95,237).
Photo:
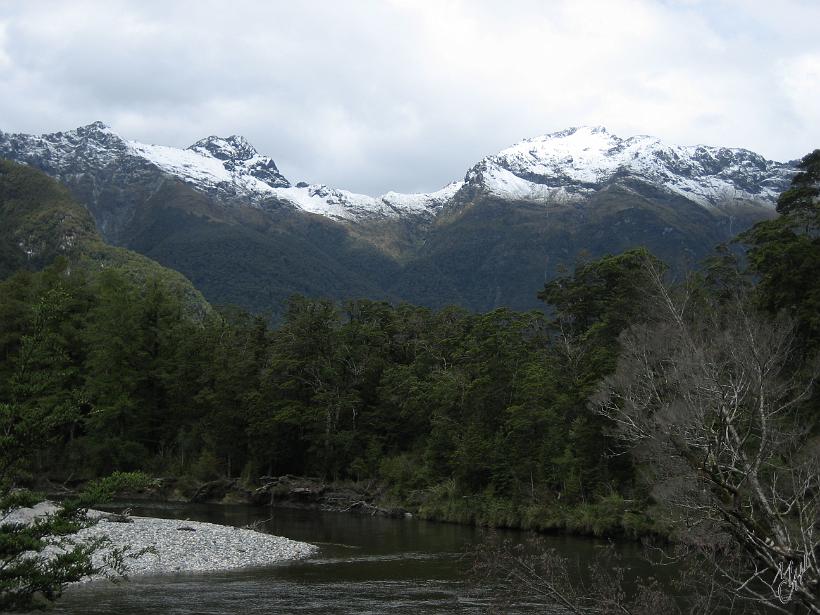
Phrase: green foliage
(124,380)
(38,559)
(803,196)
(602,297)
(785,253)
(105,489)
(40,222)
(473,417)
(107,366)
(592,307)
(478,417)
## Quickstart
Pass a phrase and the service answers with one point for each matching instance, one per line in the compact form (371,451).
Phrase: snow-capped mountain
(85,149)
(224,167)
(570,165)
(565,166)
(214,163)
(227,217)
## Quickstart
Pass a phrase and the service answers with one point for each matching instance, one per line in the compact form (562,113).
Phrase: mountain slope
(39,221)
(226,217)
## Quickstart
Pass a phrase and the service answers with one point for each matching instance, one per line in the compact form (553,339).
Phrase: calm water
(365,565)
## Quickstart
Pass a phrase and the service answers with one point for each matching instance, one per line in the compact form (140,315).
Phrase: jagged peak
(97,125)
(576,138)
(97,136)
(95,128)
(573,130)
(234,147)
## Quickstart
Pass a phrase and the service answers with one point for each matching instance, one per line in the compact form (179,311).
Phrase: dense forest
(438,404)
(471,417)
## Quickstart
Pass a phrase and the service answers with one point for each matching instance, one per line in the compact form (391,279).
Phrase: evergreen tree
(785,253)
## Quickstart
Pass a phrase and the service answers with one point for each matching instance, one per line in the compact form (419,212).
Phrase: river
(365,565)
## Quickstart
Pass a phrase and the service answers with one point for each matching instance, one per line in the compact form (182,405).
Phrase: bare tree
(710,398)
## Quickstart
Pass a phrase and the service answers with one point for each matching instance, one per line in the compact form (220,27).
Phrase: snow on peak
(570,164)
(97,134)
(97,127)
(74,151)
(564,166)
(234,147)
(345,205)
(231,165)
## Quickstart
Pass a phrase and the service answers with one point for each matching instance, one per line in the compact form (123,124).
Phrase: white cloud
(801,83)
(404,95)
(5,60)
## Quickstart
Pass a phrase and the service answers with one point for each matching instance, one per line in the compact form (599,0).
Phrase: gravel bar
(189,546)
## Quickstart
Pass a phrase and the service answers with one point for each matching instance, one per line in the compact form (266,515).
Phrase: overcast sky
(405,94)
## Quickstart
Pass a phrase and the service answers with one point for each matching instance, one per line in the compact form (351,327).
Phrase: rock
(165,546)
(214,491)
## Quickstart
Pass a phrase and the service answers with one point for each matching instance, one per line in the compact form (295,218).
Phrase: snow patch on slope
(199,169)
(422,202)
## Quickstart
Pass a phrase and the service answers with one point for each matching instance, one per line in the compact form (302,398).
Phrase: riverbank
(163,546)
(606,516)
(611,515)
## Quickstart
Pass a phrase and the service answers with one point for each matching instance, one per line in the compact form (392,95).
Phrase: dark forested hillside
(40,221)
(482,254)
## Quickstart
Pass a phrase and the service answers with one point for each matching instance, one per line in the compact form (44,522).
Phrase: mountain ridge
(227,167)
(231,221)
(559,167)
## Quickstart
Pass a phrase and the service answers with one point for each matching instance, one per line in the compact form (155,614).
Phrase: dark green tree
(785,253)
(803,196)
(591,308)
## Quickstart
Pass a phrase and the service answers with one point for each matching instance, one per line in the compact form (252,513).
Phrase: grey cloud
(373,96)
